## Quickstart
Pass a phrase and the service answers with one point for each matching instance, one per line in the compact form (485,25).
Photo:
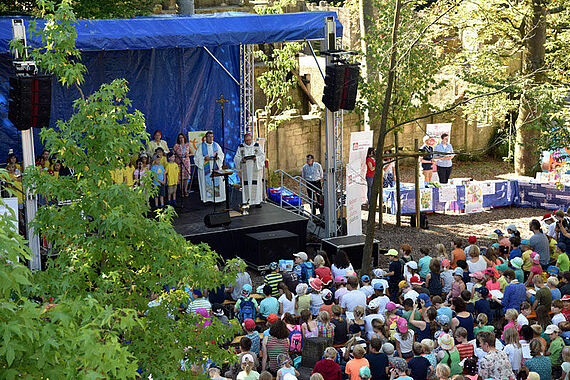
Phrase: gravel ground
(444,227)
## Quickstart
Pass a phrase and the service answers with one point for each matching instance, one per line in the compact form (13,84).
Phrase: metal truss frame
(246,92)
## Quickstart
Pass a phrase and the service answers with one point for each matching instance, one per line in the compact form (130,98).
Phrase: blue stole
(207,168)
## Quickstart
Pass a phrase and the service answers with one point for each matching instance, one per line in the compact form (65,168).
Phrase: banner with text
(356,188)
(436,130)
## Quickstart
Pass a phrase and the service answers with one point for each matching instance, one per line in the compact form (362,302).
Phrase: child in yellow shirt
(129,171)
(172,173)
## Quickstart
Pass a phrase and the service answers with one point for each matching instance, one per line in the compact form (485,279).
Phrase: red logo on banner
(355,146)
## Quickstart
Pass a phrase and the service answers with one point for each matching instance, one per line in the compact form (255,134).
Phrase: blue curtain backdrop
(175,88)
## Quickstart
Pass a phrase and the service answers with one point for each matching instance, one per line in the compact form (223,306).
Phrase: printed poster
(356,188)
(473,198)
(488,188)
(426,199)
(448,194)
(436,130)
(196,138)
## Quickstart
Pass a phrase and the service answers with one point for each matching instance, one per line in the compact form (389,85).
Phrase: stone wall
(299,135)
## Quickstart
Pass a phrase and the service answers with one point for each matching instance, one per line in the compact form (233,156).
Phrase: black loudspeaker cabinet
(354,248)
(262,248)
(217,219)
(30,101)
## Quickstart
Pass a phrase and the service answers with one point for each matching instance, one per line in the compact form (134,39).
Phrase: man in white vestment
(209,157)
(250,160)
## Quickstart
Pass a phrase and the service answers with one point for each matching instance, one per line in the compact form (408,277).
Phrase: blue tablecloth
(543,195)
(505,194)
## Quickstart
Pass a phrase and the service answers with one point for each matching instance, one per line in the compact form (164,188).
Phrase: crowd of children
(170,172)
(497,312)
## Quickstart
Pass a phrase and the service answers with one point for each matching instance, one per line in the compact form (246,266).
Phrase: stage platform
(276,225)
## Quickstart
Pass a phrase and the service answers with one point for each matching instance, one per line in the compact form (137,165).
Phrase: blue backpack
(310,268)
(246,309)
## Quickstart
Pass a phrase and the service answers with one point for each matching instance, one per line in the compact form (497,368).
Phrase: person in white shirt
(372,313)
(312,172)
(556,309)
(353,297)
(380,287)
(366,287)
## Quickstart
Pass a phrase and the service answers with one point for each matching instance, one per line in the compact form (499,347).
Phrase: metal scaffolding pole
(246,94)
(330,183)
(26,68)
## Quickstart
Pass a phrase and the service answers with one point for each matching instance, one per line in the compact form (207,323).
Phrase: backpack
(295,342)
(309,270)
(246,309)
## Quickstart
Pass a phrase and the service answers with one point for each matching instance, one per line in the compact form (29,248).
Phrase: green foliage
(74,338)
(58,54)
(421,57)
(276,8)
(493,44)
(84,8)
(111,259)
(275,83)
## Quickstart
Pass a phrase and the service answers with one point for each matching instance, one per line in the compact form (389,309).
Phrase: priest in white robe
(250,160)
(209,157)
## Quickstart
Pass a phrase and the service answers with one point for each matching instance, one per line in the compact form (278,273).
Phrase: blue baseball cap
(525,242)
(378,286)
(424,297)
(365,278)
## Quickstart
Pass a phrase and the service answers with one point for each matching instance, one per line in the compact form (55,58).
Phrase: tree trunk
(397,177)
(533,32)
(377,184)
(365,15)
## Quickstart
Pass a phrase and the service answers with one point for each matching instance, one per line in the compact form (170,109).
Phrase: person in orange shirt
(457,253)
(353,366)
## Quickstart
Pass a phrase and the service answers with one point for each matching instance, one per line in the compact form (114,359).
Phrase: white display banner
(436,130)
(356,188)
(448,194)
(10,206)
(473,198)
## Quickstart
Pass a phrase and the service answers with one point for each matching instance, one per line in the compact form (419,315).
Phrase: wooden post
(417,184)
(397,177)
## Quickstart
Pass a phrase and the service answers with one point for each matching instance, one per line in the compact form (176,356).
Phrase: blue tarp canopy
(173,81)
(178,31)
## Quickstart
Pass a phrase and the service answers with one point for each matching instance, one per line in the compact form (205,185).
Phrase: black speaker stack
(30,101)
(341,86)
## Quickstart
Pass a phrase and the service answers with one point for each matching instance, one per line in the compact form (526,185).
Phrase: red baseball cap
(249,324)
(546,216)
(472,239)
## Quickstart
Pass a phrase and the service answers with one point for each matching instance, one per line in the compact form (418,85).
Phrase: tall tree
(107,251)
(414,58)
(517,46)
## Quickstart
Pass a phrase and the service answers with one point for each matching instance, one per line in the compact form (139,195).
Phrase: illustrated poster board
(356,187)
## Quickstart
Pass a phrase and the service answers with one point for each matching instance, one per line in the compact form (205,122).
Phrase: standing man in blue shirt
(312,172)
(444,161)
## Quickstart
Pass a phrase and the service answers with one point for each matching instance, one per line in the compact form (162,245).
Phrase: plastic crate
(289,198)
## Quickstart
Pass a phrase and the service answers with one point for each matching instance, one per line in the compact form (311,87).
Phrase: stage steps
(300,188)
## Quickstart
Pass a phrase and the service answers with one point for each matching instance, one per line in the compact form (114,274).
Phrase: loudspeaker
(350,88)
(29,102)
(334,82)
(261,248)
(353,245)
(217,219)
